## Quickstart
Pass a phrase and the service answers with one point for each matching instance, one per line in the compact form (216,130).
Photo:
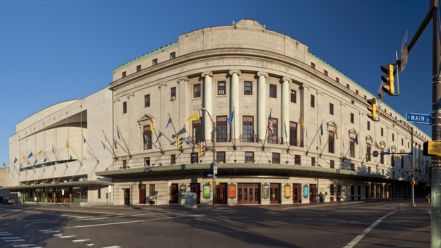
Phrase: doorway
(126,196)
(275,193)
(174,193)
(196,188)
(297,193)
(142,193)
(249,193)
(313,193)
(221,193)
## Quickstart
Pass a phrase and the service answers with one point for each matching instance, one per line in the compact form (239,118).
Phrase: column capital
(286,79)
(261,73)
(231,72)
(183,79)
(206,73)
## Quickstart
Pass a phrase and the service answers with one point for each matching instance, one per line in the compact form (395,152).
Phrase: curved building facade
(280,125)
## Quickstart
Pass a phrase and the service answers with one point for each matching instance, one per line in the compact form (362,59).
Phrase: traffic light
(432,148)
(388,79)
(373,105)
(202,149)
(179,142)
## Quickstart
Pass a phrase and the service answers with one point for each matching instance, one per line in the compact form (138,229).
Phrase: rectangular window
(293,96)
(325,72)
(368,125)
(293,133)
(402,161)
(352,118)
(382,156)
(124,164)
(138,68)
(402,141)
(124,107)
(147,137)
(99,193)
(313,65)
(147,101)
(352,147)
(249,157)
(331,142)
(248,88)
(276,158)
(152,191)
(220,157)
(194,158)
(172,55)
(124,74)
(173,159)
(248,129)
(297,159)
(331,164)
(196,90)
(393,137)
(312,101)
(313,161)
(273,91)
(273,138)
(331,109)
(221,88)
(392,161)
(381,131)
(221,128)
(147,162)
(154,61)
(197,133)
(368,152)
(337,79)
(172,93)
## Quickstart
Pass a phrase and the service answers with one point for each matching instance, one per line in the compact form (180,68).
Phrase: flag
(15,160)
(159,135)
(377,146)
(194,117)
(336,133)
(301,122)
(180,132)
(188,140)
(152,126)
(270,124)
(230,118)
(118,132)
(30,155)
(169,121)
(84,140)
(40,152)
(321,129)
(115,143)
(356,139)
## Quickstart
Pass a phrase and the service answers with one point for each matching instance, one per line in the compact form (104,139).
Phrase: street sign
(375,154)
(215,170)
(419,118)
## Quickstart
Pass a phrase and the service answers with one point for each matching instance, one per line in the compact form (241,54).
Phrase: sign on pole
(419,118)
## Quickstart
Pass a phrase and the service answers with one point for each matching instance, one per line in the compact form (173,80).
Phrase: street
(372,224)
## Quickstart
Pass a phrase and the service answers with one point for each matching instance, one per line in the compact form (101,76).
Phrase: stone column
(261,105)
(235,104)
(184,100)
(285,109)
(208,104)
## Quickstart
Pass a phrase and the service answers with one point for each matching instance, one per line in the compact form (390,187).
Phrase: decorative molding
(231,72)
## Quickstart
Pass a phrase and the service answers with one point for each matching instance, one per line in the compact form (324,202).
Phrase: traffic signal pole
(412,166)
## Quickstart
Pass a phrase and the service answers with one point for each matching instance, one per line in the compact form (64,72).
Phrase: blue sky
(52,51)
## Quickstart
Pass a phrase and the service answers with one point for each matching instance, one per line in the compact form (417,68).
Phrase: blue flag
(356,139)
(118,133)
(15,160)
(169,122)
(187,140)
(321,129)
(30,155)
(230,118)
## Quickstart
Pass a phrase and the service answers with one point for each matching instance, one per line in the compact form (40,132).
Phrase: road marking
(120,223)
(46,231)
(75,216)
(366,231)
(97,218)
(15,240)
(67,236)
(23,245)
(113,246)
(80,240)
(58,235)
(89,244)
(10,237)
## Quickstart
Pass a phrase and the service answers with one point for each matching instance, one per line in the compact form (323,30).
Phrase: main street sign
(419,118)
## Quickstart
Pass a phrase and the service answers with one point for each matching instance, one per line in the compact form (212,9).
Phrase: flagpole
(125,143)
(312,141)
(266,133)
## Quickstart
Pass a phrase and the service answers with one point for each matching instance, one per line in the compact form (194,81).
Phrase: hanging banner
(232,191)
(287,191)
(265,191)
(206,191)
(305,191)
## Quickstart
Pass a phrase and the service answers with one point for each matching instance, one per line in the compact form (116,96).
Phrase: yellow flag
(67,144)
(40,152)
(377,146)
(301,122)
(336,133)
(194,117)
(152,126)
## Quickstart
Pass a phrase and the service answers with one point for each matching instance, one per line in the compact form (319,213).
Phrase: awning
(87,183)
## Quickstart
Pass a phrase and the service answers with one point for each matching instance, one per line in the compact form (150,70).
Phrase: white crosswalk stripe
(80,240)
(113,246)
(90,244)
(67,236)
(23,245)
(15,240)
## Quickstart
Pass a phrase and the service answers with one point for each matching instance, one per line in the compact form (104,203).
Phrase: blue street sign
(419,118)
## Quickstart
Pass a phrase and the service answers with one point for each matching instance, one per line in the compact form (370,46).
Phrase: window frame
(273,91)
(147,102)
(245,91)
(197,90)
(219,87)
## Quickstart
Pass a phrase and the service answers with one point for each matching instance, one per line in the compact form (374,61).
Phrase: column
(235,103)
(184,100)
(208,104)
(285,109)
(261,105)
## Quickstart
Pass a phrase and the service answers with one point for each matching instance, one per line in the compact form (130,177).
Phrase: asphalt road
(379,224)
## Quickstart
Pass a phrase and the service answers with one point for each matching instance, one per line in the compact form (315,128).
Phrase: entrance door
(297,193)
(174,193)
(275,193)
(352,193)
(221,193)
(196,188)
(126,196)
(338,192)
(313,193)
(142,193)
(249,193)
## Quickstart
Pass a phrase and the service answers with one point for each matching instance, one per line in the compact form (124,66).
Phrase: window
(147,101)
(197,133)
(99,193)
(402,161)
(331,142)
(147,137)
(297,159)
(172,93)
(221,88)
(368,152)
(124,74)
(347,86)
(248,88)
(331,109)
(221,128)
(138,68)
(147,162)
(392,161)
(249,157)
(293,133)
(172,55)
(331,189)
(273,138)
(124,164)
(293,96)
(196,90)
(368,125)
(312,101)
(273,91)
(152,191)
(173,159)
(381,131)
(352,147)
(248,129)
(352,167)
(382,155)
(220,157)
(276,158)
(154,61)
(331,164)
(194,158)
(337,79)
(352,117)
(356,92)
(402,141)
(124,107)
(393,137)
(313,65)
(325,72)
(313,161)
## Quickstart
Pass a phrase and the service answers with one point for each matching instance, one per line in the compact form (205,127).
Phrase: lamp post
(213,141)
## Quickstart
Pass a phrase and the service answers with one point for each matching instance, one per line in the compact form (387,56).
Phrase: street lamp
(214,168)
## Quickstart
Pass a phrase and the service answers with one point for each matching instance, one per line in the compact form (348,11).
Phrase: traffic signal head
(179,142)
(432,148)
(202,149)
(373,106)
(388,80)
